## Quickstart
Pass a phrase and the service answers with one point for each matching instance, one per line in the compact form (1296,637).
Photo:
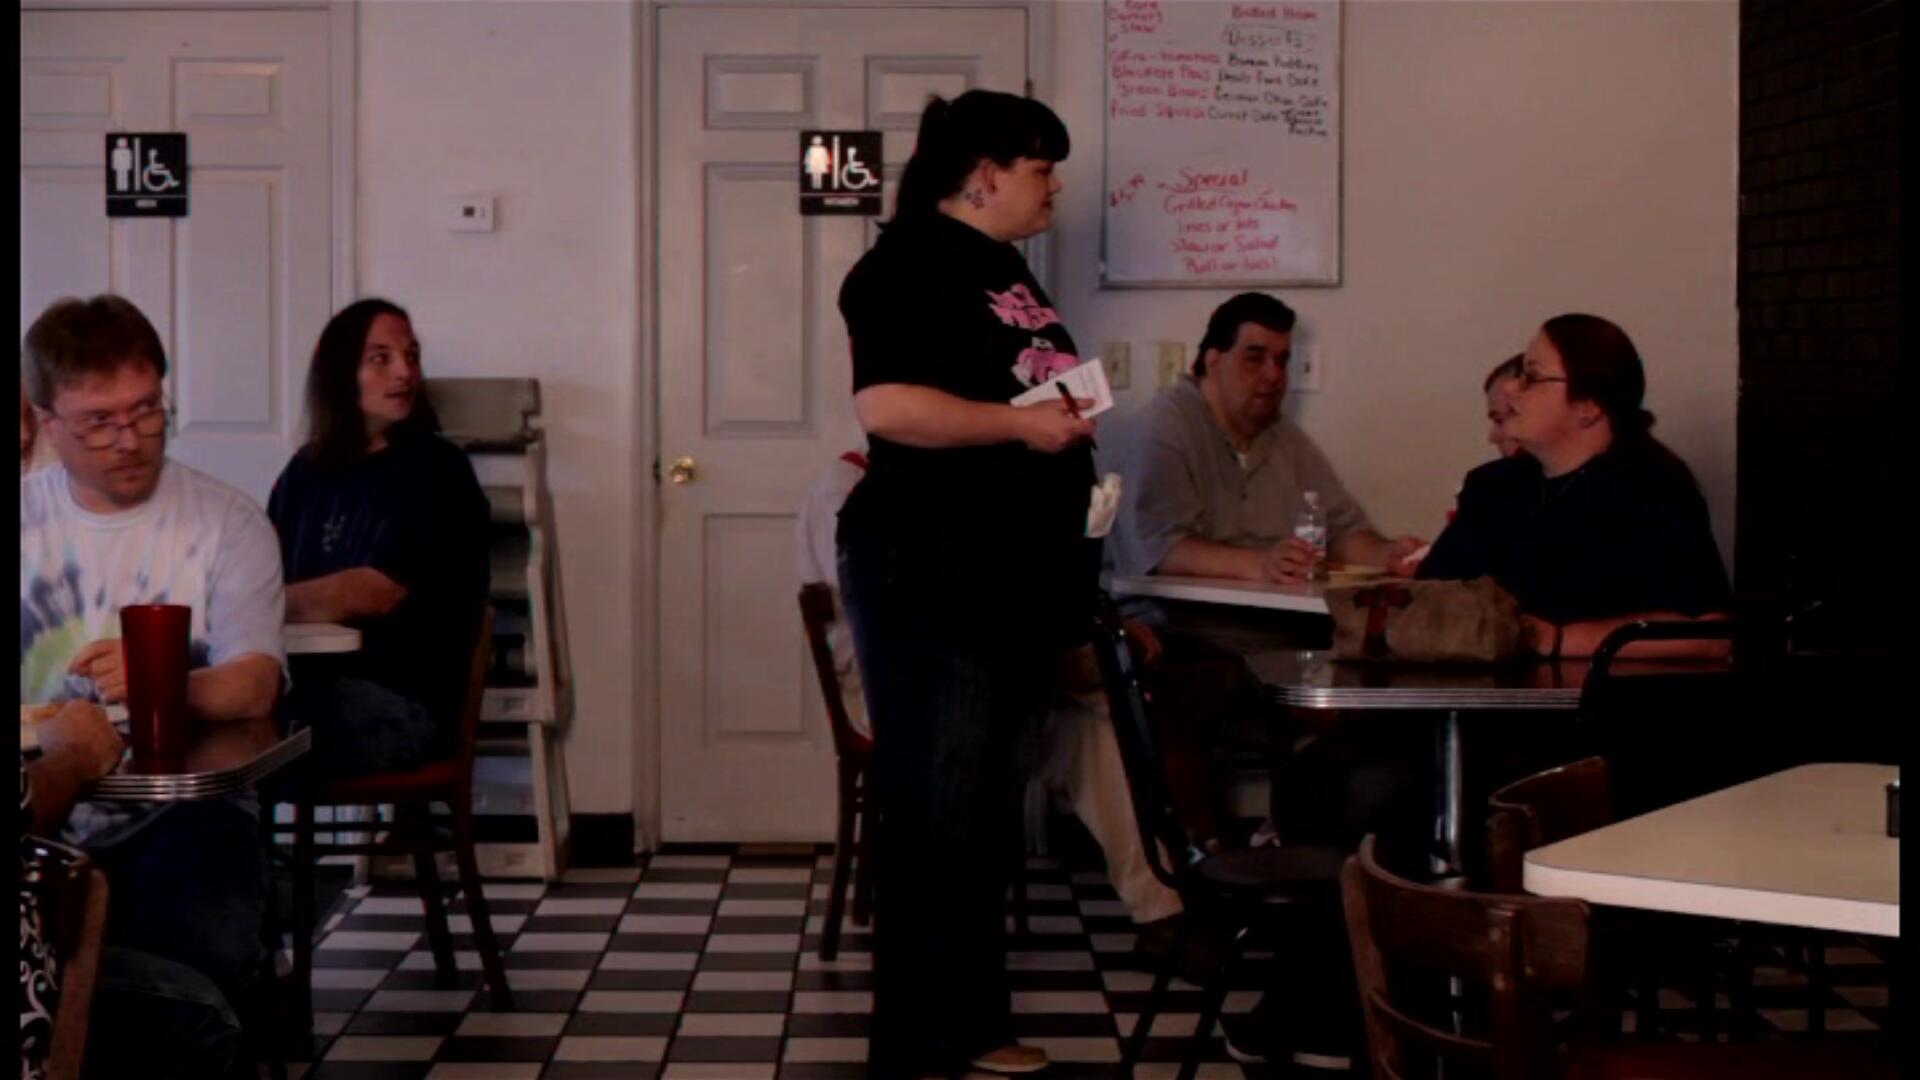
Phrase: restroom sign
(147,174)
(839,172)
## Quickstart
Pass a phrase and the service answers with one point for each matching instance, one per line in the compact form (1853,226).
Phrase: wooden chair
(1542,809)
(1237,891)
(413,830)
(1513,953)
(1520,958)
(73,907)
(853,754)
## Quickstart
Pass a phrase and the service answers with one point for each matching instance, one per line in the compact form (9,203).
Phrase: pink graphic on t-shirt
(1042,361)
(1017,307)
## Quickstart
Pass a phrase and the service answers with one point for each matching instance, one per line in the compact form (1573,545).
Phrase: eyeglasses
(102,432)
(1529,378)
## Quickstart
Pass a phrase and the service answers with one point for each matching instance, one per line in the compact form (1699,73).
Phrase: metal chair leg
(1213,1004)
(1162,980)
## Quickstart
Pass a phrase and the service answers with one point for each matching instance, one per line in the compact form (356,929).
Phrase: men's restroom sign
(146,174)
(839,172)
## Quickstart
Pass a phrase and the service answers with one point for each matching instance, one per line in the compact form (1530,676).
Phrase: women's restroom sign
(839,172)
(146,174)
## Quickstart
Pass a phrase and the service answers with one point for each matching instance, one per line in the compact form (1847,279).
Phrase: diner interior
(1276,819)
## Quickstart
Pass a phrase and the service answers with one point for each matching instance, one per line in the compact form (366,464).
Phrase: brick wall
(1819,277)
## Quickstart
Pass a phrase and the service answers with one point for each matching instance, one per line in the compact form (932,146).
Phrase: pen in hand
(1073,409)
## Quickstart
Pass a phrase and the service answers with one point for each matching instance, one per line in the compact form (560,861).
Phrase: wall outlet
(471,213)
(1309,366)
(1170,362)
(1117,357)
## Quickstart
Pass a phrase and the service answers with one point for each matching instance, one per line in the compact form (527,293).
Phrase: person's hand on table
(1048,427)
(1398,563)
(1287,562)
(105,662)
(1146,643)
(81,732)
(1540,634)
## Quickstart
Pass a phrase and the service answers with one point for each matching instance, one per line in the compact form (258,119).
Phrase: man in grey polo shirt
(1216,477)
(1214,481)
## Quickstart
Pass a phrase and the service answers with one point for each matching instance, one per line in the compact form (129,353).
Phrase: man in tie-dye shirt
(116,523)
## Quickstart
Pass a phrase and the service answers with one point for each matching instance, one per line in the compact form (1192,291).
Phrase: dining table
(1265,633)
(1809,846)
(222,759)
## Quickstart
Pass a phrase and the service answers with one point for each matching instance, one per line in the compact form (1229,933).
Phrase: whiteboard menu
(1222,144)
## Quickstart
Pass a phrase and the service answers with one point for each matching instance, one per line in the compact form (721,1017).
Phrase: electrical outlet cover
(1170,362)
(1117,357)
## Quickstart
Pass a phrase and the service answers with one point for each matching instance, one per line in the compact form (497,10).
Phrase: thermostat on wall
(471,213)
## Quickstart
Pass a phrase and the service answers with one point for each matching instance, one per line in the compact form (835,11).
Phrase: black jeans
(955,713)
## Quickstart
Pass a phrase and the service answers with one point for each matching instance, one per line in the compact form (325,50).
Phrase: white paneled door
(241,287)
(754,377)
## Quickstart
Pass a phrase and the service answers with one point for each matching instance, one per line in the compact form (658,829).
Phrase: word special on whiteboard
(1222,159)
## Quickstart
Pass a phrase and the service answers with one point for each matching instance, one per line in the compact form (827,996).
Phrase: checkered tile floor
(703,964)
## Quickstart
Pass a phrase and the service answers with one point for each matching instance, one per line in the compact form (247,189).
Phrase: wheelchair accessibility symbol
(146,174)
(840,172)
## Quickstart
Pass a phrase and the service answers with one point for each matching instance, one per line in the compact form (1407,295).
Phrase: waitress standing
(964,565)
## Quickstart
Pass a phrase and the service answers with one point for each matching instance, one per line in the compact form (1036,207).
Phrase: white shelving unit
(519,771)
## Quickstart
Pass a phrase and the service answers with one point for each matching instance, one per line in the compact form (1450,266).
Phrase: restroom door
(754,383)
(238,289)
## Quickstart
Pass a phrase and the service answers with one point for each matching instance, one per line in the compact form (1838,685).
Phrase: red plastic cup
(155,639)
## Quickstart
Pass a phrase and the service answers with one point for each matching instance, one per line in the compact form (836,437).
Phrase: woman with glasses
(382,527)
(1594,523)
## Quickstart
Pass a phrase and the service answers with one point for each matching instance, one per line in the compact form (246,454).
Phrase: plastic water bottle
(1310,525)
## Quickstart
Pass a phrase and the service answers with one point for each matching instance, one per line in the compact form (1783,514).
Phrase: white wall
(1503,163)
(534,102)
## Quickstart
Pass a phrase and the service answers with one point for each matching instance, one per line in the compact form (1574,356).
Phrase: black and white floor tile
(703,964)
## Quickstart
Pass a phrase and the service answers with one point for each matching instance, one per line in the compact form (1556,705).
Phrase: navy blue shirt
(1623,534)
(414,512)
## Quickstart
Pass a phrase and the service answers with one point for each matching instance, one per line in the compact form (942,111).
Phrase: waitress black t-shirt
(1001,528)
(1624,534)
(415,512)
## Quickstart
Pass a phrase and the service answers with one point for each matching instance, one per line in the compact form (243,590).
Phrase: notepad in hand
(1088,382)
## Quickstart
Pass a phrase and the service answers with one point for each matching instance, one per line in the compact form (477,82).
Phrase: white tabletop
(1302,598)
(1804,847)
(308,638)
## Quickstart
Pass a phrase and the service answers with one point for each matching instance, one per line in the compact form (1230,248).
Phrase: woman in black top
(1595,523)
(964,564)
(383,527)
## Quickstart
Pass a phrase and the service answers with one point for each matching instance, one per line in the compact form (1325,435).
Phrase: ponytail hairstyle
(337,429)
(955,136)
(1604,367)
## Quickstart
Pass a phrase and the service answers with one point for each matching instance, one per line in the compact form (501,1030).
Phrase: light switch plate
(1118,358)
(471,213)
(1170,362)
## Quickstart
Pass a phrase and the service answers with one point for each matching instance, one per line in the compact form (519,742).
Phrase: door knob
(683,471)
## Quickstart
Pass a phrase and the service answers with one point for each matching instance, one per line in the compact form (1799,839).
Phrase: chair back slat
(1517,951)
(817,614)
(1160,832)
(1542,809)
(479,658)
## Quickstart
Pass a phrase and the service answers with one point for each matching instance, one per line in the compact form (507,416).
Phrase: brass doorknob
(683,471)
